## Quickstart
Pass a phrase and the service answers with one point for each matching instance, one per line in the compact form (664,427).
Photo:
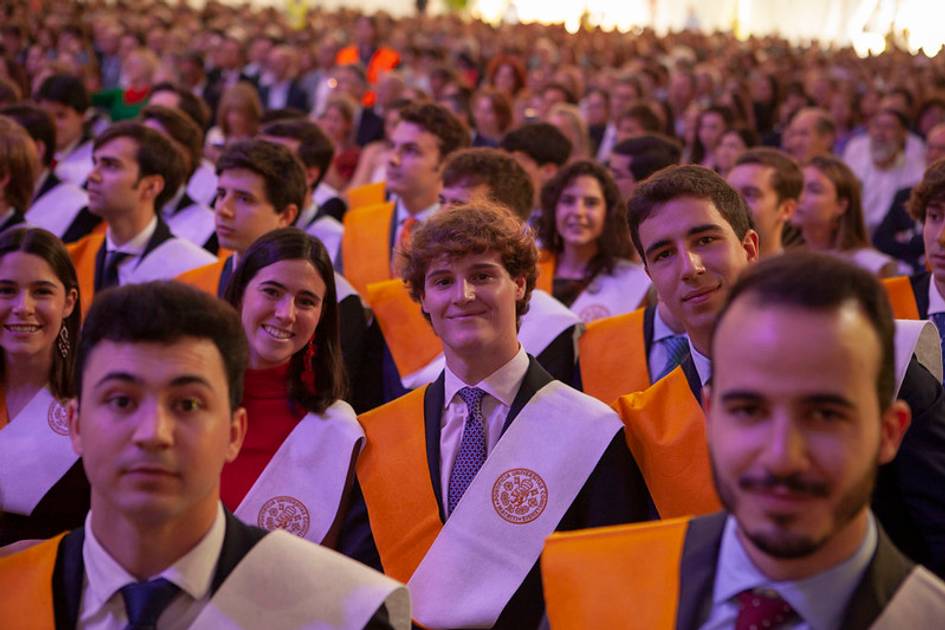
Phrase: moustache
(794,484)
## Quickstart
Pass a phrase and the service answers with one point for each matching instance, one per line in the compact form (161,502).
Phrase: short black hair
(38,124)
(649,153)
(508,183)
(823,282)
(315,149)
(165,312)
(64,89)
(441,122)
(787,178)
(188,102)
(282,172)
(688,180)
(542,142)
(181,129)
(156,155)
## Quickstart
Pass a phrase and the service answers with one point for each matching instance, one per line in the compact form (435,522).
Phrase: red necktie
(762,609)
(406,228)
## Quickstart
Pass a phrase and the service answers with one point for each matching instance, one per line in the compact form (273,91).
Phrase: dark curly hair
(436,119)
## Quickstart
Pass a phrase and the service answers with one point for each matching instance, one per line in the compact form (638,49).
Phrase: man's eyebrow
(123,377)
(696,229)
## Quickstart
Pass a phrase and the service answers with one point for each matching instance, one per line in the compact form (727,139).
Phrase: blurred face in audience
(802,140)
(754,183)
(243,211)
(413,163)
(935,144)
(619,165)
(887,138)
(730,147)
(69,123)
(819,205)
(933,235)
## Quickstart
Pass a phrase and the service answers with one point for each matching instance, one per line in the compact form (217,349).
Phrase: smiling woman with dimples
(587,243)
(302,439)
(42,487)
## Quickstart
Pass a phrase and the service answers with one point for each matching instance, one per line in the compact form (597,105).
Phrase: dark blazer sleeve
(909,500)
(898,234)
(62,508)
(558,357)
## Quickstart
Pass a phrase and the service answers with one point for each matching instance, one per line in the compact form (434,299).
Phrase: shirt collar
(171,206)
(936,301)
(661,329)
(136,245)
(192,572)
(820,600)
(307,214)
(503,384)
(702,362)
(403,214)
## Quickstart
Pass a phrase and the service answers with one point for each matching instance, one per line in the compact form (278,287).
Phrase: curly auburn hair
(467,230)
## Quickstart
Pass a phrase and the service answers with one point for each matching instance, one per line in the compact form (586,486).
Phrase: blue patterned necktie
(145,601)
(677,346)
(472,448)
(939,320)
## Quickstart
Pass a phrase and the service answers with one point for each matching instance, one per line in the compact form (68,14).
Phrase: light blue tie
(677,347)
(939,320)
(472,448)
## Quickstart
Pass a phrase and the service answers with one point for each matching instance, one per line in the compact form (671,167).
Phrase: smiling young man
(802,414)
(160,376)
(463,479)
(420,143)
(693,232)
(136,171)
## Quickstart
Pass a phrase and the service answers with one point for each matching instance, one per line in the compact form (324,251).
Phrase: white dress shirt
(102,606)
(936,301)
(658,356)
(501,387)
(703,364)
(134,248)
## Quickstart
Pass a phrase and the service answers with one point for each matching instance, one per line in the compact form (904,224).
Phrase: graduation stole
(365,245)
(613,357)
(901,297)
(26,581)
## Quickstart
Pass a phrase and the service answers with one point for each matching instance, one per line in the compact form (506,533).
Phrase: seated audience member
(426,134)
(137,171)
(770,182)
(492,115)
(19,168)
(637,120)
(238,118)
(586,263)
(567,118)
(734,142)
(829,215)
(42,487)
(301,438)
(65,98)
(337,122)
(801,416)
(711,124)
(899,235)
(541,150)
(494,443)
(137,76)
(185,216)
(634,159)
(183,100)
(58,206)
(413,354)
(159,379)
(694,234)
(810,133)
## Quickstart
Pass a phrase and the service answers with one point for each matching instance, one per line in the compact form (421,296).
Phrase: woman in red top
(296,465)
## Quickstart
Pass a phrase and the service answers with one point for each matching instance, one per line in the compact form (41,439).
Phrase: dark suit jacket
(885,573)
(920,289)
(596,135)
(370,127)
(898,234)
(614,493)
(63,507)
(238,540)
(296,98)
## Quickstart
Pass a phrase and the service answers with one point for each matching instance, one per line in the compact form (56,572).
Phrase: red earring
(308,367)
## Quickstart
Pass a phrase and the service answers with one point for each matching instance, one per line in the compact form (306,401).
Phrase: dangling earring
(62,342)
(308,369)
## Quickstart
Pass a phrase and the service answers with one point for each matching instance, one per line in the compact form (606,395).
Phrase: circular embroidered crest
(286,513)
(594,311)
(519,495)
(58,418)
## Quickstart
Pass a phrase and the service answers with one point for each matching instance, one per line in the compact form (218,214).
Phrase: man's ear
(288,216)
(895,422)
(237,433)
(72,419)
(786,210)
(520,284)
(751,245)
(151,186)
(312,173)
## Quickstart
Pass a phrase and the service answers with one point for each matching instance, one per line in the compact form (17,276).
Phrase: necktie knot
(676,346)
(145,601)
(472,396)
(762,609)
(110,276)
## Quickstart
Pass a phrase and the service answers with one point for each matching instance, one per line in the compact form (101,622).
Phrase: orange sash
(409,336)
(901,297)
(365,245)
(26,598)
(546,271)
(613,357)
(366,195)
(205,278)
(395,479)
(626,576)
(665,430)
(83,253)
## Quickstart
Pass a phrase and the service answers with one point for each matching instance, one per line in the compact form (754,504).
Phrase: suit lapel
(535,378)
(697,568)
(238,539)
(100,266)
(15,219)
(884,575)
(161,235)
(692,377)
(68,578)
(648,316)
(225,274)
(433,404)
(920,289)
(51,182)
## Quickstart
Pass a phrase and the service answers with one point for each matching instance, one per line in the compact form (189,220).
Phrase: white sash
(495,535)
(194,223)
(57,209)
(301,488)
(615,294)
(545,320)
(35,452)
(202,185)
(919,337)
(170,259)
(343,288)
(285,583)
(329,231)
(919,603)
(75,167)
